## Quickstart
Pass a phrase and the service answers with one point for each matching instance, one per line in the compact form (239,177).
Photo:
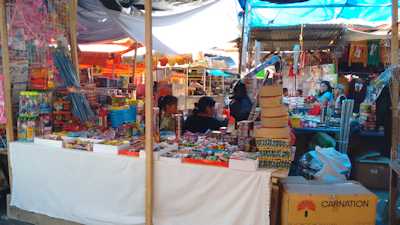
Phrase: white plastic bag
(335,165)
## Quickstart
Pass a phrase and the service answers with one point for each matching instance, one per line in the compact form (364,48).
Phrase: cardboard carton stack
(274,115)
(272,138)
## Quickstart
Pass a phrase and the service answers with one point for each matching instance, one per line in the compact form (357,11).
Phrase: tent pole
(149,112)
(6,72)
(134,63)
(73,19)
(7,83)
(395,116)
(244,43)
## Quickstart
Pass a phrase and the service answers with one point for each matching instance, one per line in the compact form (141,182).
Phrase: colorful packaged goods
(245,135)
(26,126)
(41,78)
(78,144)
(44,124)
(29,103)
(275,154)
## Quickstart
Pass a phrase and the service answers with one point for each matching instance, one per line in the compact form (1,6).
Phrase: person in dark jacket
(203,118)
(384,117)
(240,105)
(358,92)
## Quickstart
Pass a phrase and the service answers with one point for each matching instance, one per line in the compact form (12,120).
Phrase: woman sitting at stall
(240,105)
(203,117)
(339,97)
(168,107)
(325,93)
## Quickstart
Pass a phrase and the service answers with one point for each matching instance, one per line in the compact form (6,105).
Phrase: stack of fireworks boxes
(273,137)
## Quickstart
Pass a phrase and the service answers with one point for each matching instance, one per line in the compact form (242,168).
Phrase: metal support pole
(73,18)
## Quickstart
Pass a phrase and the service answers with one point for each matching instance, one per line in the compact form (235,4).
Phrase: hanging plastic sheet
(363,12)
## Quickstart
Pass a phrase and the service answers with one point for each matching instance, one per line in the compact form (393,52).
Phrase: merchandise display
(283,99)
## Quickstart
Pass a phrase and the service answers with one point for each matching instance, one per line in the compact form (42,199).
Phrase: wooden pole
(7,84)
(244,44)
(6,73)
(134,62)
(149,112)
(395,114)
(73,18)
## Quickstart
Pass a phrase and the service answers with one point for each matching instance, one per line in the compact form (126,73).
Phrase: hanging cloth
(358,53)
(296,56)
(373,53)
(291,71)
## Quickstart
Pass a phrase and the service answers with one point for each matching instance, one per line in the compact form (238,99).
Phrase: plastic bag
(325,164)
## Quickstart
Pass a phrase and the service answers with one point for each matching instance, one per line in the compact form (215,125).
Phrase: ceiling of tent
(366,12)
(315,36)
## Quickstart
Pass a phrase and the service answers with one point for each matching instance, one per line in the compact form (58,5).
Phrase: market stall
(97,154)
(91,148)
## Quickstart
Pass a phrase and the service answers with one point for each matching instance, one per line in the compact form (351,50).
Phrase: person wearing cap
(203,117)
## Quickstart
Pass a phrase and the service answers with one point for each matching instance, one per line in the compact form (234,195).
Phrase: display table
(92,188)
(333,130)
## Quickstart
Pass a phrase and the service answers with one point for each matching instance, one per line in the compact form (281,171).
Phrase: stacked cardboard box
(274,115)
(272,138)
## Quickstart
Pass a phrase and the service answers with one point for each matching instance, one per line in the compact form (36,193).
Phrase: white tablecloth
(92,188)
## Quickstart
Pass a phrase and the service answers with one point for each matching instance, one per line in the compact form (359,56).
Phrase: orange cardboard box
(274,111)
(275,122)
(268,102)
(273,133)
(271,90)
(313,203)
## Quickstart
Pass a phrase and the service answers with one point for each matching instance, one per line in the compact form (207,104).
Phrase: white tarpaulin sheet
(100,189)
(198,28)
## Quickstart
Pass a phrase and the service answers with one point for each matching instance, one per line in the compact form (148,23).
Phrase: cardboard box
(373,173)
(274,111)
(311,203)
(275,122)
(270,102)
(273,133)
(271,90)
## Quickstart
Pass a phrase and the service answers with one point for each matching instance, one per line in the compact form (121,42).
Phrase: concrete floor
(4,220)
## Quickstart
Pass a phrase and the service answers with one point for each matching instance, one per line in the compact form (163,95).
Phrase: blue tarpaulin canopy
(361,12)
(219,73)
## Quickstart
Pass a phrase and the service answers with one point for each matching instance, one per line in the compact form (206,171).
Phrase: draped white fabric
(195,30)
(175,32)
(101,189)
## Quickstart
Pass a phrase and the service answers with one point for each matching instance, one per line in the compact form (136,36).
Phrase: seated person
(325,93)
(202,118)
(240,105)
(168,107)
